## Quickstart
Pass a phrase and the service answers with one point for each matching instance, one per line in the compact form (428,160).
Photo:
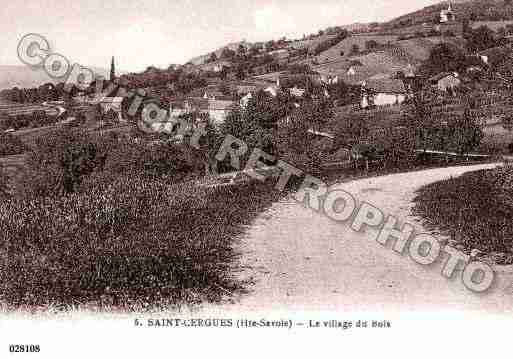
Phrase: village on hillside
(133,191)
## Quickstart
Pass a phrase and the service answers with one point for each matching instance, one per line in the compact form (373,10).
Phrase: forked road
(302,260)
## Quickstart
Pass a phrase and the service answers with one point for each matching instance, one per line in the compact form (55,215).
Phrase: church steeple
(112,70)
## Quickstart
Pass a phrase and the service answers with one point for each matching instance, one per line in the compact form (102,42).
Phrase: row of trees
(30,120)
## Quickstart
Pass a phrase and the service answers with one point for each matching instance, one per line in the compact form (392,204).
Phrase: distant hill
(200,60)
(24,76)
(473,10)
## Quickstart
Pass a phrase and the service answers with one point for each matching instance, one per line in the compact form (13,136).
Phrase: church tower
(447,15)
(112,70)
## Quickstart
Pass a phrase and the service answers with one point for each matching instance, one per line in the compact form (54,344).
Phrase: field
(494,25)
(379,63)
(345,46)
(14,109)
(388,60)
(310,44)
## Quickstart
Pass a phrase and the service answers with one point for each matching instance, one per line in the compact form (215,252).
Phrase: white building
(447,15)
(382,92)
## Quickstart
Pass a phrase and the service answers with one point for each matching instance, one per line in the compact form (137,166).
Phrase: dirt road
(301,260)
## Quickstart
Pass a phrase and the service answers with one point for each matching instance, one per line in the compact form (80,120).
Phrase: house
(382,92)
(216,67)
(243,90)
(114,104)
(280,54)
(494,55)
(297,92)
(273,90)
(245,100)
(219,110)
(329,79)
(447,15)
(351,71)
(445,81)
(178,107)
(212,94)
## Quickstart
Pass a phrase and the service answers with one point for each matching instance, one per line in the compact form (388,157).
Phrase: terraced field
(312,43)
(334,52)
(14,109)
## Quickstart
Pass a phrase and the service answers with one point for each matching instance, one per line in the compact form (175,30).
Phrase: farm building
(445,81)
(382,92)
(218,109)
(280,54)
(114,104)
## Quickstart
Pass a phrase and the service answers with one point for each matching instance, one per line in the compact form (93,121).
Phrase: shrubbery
(129,244)
(10,145)
(327,44)
(108,221)
(474,209)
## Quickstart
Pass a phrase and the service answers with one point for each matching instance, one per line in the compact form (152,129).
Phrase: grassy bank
(475,210)
(131,246)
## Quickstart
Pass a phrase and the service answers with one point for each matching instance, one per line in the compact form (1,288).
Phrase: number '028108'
(24,348)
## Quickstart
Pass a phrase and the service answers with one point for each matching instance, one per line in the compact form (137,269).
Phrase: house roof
(214,93)
(385,85)
(245,89)
(440,76)
(220,105)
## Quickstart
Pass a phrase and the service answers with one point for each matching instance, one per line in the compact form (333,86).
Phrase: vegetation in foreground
(105,222)
(475,210)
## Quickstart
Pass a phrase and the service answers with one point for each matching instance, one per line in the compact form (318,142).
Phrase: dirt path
(301,260)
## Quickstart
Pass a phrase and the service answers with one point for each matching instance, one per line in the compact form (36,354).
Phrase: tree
(241,51)
(419,119)
(110,117)
(355,50)
(371,45)
(213,57)
(227,53)
(466,133)
(4,183)
(59,162)
(481,38)
(240,72)
(225,89)
(444,58)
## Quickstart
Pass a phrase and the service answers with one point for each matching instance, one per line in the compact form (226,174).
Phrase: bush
(327,44)
(10,145)
(59,162)
(4,183)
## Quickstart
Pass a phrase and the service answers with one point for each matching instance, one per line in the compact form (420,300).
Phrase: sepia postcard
(261,178)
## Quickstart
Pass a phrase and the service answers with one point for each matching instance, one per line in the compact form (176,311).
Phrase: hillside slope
(474,10)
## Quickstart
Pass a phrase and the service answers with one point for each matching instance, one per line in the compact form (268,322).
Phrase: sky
(163,32)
